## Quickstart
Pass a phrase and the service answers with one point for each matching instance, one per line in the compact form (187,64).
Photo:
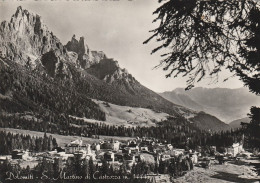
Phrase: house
(132,143)
(115,145)
(129,159)
(213,148)
(194,158)
(95,147)
(131,150)
(175,152)
(20,154)
(76,146)
(109,156)
(78,154)
(17,154)
(147,141)
(144,149)
(160,148)
(119,157)
(169,147)
(3,158)
(64,156)
(235,149)
(165,157)
(112,145)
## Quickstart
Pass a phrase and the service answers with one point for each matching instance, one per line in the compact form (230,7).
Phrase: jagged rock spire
(86,57)
(27,37)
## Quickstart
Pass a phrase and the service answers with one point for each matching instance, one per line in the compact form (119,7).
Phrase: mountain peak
(18,10)
(86,57)
(81,38)
(26,38)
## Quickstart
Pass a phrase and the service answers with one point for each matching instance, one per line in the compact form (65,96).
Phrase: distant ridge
(237,123)
(224,103)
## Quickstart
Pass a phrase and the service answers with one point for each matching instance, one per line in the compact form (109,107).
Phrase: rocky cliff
(110,71)
(86,57)
(26,38)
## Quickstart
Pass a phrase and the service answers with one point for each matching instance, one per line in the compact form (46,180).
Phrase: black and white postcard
(129,91)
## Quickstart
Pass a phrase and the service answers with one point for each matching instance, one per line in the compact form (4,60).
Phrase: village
(114,152)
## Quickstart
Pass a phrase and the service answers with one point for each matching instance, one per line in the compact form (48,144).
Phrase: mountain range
(226,104)
(41,77)
(237,123)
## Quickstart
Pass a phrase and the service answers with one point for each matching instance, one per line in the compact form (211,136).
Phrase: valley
(67,107)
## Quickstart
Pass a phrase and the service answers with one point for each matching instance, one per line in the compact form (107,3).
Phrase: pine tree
(104,167)
(86,168)
(92,168)
(45,142)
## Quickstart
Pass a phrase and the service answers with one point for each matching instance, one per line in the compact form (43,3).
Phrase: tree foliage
(11,141)
(200,38)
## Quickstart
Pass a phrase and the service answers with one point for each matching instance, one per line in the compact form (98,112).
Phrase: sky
(116,27)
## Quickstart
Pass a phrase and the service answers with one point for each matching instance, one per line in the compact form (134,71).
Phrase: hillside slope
(23,91)
(205,121)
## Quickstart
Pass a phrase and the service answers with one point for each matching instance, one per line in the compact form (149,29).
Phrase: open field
(61,139)
(130,116)
(231,172)
(127,116)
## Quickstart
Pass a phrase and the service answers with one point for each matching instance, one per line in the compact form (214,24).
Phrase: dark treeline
(177,131)
(11,141)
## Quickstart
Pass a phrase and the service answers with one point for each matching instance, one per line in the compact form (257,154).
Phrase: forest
(176,131)
(10,141)
(32,91)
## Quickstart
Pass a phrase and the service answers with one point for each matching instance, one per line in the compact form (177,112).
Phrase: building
(17,154)
(3,158)
(131,150)
(144,149)
(165,157)
(129,159)
(235,149)
(160,148)
(109,156)
(95,147)
(194,158)
(169,147)
(119,157)
(112,145)
(115,145)
(20,154)
(76,146)
(175,152)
